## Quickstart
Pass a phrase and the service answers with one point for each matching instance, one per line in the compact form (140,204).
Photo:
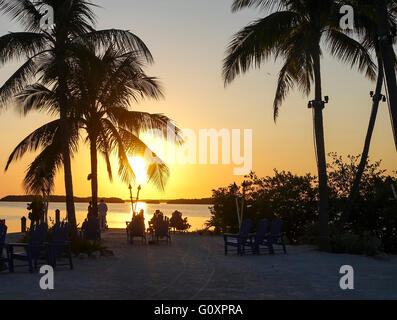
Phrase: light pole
(137,197)
(132,201)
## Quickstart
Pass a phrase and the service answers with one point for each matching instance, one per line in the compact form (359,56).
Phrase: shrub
(179,223)
(294,199)
(80,245)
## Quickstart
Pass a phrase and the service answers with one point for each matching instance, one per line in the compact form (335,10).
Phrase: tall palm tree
(366,27)
(388,57)
(102,88)
(295,33)
(73,23)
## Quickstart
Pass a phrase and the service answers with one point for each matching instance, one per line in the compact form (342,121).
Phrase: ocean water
(118,213)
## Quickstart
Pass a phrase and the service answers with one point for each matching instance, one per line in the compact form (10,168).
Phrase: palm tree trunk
(324,244)
(65,133)
(388,58)
(361,167)
(67,167)
(94,175)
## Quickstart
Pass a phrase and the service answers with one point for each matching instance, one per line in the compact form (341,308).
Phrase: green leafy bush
(80,245)
(352,243)
(179,223)
(294,199)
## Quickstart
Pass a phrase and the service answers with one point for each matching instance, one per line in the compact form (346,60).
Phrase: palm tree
(102,88)
(388,57)
(366,26)
(295,33)
(73,23)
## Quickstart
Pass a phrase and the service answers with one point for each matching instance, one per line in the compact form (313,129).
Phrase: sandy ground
(194,267)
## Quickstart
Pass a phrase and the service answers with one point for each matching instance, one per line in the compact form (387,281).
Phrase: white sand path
(194,267)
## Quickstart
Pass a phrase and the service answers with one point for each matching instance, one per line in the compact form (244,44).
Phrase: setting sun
(139,166)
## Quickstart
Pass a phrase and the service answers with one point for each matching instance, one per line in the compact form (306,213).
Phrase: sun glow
(139,166)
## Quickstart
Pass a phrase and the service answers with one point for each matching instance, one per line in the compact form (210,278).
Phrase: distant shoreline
(29,198)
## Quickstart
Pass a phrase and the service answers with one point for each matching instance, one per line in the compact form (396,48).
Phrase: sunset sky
(188,39)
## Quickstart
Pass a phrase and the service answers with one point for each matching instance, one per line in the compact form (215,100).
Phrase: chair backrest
(38,233)
(60,232)
(162,229)
(3,233)
(245,229)
(275,230)
(261,230)
(137,226)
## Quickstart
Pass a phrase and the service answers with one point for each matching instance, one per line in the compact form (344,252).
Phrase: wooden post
(23,224)
(57,216)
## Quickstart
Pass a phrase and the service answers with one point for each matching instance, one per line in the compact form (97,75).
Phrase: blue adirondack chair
(274,238)
(260,236)
(3,246)
(35,250)
(162,230)
(239,240)
(59,246)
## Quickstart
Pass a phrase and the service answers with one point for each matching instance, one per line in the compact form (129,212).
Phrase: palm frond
(37,97)
(17,45)
(17,81)
(157,170)
(121,39)
(22,11)
(267,5)
(256,43)
(41,172)
(139,122)
(351,51)
(41,137)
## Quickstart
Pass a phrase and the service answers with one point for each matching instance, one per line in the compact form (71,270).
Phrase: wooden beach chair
(259,237)
(274,238)
(162,230)
(136,229)
(240,239)
(35,250)
(59,246)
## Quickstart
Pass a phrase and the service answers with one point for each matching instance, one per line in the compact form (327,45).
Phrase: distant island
(178,201)
(29,198)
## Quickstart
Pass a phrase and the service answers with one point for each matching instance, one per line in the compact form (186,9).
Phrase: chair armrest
(231,234)
(17,244)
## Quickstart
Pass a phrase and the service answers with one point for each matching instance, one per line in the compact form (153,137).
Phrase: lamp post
(132,201)
(137,197)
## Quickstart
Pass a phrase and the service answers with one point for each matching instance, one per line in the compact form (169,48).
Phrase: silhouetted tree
(295,33)
(179,223)
(73,24)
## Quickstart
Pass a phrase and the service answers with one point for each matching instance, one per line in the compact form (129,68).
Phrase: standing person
(90,211)
(102,212)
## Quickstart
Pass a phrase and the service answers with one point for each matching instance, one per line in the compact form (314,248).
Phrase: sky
(188,39)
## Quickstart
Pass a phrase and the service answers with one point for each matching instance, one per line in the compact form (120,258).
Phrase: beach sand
(194,267)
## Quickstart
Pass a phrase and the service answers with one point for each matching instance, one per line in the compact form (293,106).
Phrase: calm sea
(118,213)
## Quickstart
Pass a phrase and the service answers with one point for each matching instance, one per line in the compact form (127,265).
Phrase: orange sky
(188,39)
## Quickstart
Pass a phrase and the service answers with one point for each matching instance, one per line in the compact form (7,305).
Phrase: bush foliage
(372,225)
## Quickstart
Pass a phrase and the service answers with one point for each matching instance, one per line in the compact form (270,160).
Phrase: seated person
(90,228)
